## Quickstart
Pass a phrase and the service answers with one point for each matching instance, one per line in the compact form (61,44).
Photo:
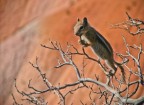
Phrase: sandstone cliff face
(24,25)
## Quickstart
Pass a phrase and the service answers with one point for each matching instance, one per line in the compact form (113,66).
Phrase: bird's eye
(81,27)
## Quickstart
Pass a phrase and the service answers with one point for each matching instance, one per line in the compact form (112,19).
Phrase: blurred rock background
(25,24)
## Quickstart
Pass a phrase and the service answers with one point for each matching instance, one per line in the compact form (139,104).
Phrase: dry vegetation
(111,90)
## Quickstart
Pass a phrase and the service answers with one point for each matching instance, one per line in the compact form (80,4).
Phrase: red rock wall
(24,25)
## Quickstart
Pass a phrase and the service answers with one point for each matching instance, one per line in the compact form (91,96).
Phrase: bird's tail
(122,71)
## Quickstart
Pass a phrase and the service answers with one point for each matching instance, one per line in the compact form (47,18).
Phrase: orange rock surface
(25,24)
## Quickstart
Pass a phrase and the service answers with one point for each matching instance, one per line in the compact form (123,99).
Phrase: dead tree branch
(109,92)
(131,24)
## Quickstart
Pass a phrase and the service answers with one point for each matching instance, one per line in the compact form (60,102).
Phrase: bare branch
(108,91)
(131,23)
(15,102)
(42,75)
(136,60)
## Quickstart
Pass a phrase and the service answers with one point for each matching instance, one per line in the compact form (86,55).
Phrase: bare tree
(132,25)
(111,93)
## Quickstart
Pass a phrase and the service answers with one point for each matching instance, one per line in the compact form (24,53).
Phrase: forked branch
(109,92)
(130,24)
